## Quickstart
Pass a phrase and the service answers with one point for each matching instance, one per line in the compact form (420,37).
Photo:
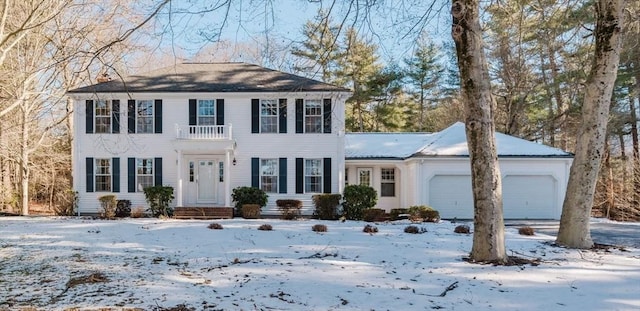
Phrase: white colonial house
(205,129)
(433,169)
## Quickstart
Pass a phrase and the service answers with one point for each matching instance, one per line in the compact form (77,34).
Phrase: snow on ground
(151,264)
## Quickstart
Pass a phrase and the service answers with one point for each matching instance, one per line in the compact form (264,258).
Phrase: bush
(414,230)
(159,198)
(370,229)
(395,213)
(250,211)
(265,227)
(373,214)
(108,206)
(326,206)
(526,231)
(423,213)
(123,208)
(137,212)
(248,195)
(289,209)
(462,229)
(358,198)
(215,226)
(319,228)
(68,203)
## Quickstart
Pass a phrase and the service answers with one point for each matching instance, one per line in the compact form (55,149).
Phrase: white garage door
(451,195)
(529,196)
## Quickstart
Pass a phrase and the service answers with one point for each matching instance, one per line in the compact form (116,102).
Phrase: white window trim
(320,116)
(276,116)
(96,174)
(138,118)
(139,187)
(109,108)
(212,116)
(276,174)
(388,181)
(320,175)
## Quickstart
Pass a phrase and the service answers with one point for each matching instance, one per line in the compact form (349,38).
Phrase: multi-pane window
(206,112)
(387,182)
(144,116)
(103,175)
(144,174)
(364,176)
(268,116)
(269,175)
(313,175)
(313,116)
(103,116)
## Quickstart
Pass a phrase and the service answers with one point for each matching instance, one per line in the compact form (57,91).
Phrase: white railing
(204,132)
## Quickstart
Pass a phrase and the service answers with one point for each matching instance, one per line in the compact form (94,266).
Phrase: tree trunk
(24,164)
(574,223)
(634,139)
(488,235)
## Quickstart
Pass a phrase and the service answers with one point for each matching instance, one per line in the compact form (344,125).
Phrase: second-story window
(103,116)
(206,112)
(268,116)
(313,116)
(144,116)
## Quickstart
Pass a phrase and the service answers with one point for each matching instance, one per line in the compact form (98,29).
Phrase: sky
(55,263)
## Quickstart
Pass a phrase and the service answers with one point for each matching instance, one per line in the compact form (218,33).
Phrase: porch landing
(203,212)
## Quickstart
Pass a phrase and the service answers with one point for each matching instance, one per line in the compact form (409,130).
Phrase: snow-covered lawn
(59,263)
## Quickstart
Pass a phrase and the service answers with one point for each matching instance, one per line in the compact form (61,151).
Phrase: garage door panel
(451,195)
(529,196)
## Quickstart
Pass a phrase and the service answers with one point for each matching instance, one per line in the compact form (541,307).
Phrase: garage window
(387,182)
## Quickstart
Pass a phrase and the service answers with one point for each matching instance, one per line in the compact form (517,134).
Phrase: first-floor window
(313,175)
(144,174)
(387,182)
(103,175)
(269,175)
(364,177)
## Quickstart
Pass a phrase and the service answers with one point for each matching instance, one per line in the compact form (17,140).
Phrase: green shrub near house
(326,206)
(249,196)
(358,198)
(423,213)
(159,198)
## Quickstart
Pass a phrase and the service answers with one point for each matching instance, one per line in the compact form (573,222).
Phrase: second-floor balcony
(204,132)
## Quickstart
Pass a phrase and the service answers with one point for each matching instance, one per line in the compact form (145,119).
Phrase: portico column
(227,179)
(179,171)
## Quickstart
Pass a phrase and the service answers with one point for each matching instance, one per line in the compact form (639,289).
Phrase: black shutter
(115,175)
(157,171)
(299,115)
(283,116)
(255,172)
(326,110)
(158,116)
(131,174)
(131,118)
(299,175)
(282,175)
(89,117)
(219,111)
(326,166)
(89,169)
(115,116)
(255,115)
(193,106)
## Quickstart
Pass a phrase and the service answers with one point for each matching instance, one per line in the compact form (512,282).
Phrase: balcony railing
(204,132)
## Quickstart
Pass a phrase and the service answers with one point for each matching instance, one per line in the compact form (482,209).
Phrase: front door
(206,180)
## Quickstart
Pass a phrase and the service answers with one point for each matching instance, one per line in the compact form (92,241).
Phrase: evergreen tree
(320,49)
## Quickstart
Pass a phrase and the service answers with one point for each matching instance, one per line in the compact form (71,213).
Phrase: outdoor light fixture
(234,162)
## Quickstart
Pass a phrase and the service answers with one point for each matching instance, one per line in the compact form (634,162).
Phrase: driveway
(602,231)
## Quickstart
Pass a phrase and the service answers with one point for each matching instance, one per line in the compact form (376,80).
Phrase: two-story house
(204,129)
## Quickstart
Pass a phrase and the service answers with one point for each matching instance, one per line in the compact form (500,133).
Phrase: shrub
(250,211)
(326,206)
(462,229)
(370,229)
(358,198)
(423,213)
(159,198)
(137,212)
(248,195)
(395,213)
(265,227)
(289,209)
(107,206)
(373,214)
(68,203)
(215,226)
(526,231)
(123,208)
(319,228)
(414,230)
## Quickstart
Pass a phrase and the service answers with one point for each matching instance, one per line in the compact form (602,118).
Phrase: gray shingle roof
(211,77)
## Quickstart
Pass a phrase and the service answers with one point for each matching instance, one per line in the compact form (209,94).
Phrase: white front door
(206,180)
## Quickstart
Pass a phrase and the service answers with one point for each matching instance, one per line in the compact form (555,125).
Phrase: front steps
(203,212)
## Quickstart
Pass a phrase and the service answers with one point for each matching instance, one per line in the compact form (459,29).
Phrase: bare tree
(488,236)
(576,210)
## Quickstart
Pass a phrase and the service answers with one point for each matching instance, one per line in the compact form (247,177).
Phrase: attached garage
(451,195)
(529,196)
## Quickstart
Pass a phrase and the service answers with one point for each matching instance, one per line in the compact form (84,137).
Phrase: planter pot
(251,211)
